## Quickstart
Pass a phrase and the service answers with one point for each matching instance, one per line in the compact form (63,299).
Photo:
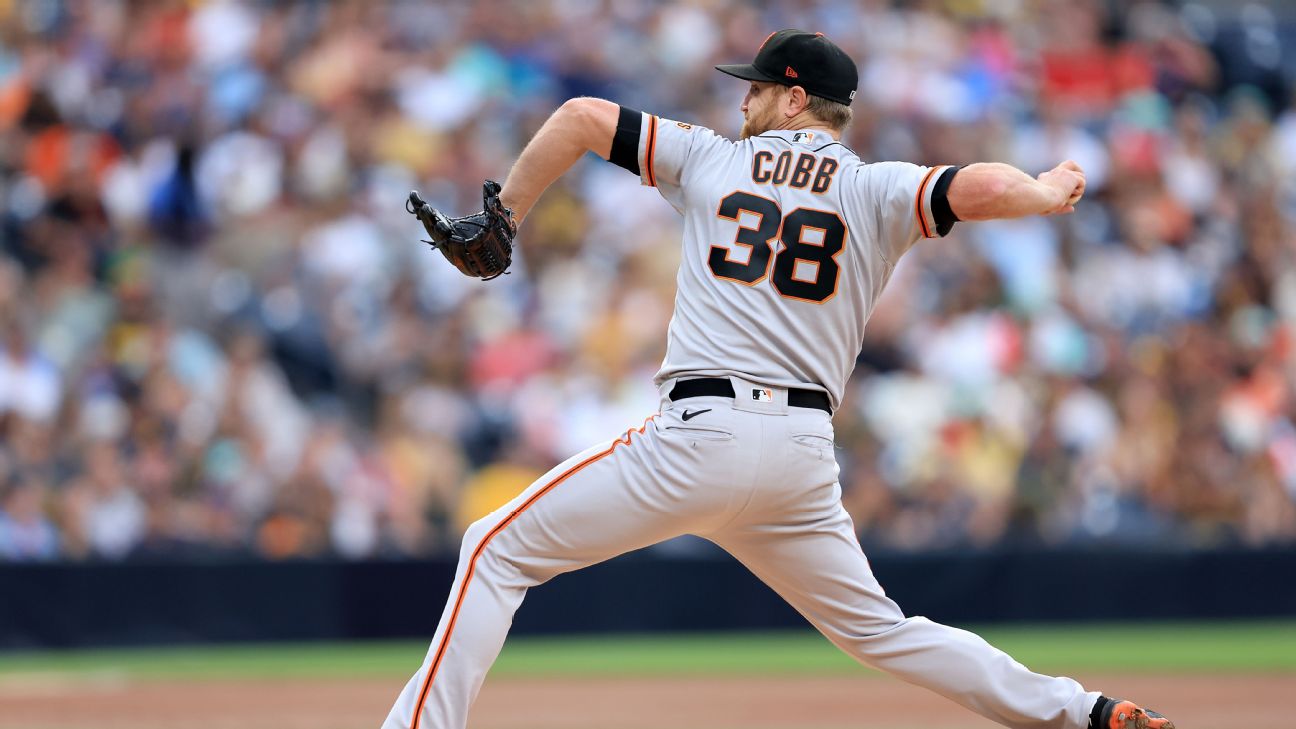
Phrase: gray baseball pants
(760,480)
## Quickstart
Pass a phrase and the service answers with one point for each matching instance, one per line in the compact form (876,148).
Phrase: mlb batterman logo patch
(760,394)
(806,137)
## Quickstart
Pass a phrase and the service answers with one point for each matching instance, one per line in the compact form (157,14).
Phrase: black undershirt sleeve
(941,211)
(625,143)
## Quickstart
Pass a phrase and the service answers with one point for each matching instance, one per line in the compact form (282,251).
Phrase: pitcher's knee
(501,554)
(867,634)
(475,536)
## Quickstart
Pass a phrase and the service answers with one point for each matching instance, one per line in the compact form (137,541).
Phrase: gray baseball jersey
(789,238)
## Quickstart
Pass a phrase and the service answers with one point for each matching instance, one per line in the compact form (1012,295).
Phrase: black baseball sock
(1095,716)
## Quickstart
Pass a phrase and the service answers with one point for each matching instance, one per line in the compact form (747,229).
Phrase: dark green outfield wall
(156,602)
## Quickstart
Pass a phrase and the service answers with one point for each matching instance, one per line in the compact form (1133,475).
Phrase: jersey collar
(809,137)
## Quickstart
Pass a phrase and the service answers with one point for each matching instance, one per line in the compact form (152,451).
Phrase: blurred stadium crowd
(219,334)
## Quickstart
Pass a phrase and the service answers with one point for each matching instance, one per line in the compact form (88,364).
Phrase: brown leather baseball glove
(479,245)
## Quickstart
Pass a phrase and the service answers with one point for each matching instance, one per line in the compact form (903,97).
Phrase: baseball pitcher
(789,239)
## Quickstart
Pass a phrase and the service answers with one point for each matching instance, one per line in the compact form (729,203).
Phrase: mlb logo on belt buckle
(762,394)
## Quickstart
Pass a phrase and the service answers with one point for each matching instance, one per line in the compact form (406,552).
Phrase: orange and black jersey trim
(625,143)
(942,215)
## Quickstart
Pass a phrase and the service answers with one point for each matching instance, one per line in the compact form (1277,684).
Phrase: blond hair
(836,116)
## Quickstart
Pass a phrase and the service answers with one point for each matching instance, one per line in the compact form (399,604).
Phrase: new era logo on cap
(790,73)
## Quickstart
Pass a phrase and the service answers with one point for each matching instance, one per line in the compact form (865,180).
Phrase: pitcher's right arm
(991,191)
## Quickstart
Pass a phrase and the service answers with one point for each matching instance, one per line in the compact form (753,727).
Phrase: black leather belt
(722,387)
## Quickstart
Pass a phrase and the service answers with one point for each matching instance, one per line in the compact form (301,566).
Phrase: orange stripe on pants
(472,562)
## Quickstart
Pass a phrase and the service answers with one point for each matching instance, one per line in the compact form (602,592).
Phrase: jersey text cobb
(809,170)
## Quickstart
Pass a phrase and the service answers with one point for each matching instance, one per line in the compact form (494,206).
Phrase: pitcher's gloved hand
(479,245)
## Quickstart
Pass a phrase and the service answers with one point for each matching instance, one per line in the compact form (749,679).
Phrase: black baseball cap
(799,58)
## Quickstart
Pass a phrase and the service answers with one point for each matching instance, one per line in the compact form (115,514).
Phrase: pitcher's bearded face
(760,109)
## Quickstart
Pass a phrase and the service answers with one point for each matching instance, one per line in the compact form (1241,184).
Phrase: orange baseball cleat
(1121,714)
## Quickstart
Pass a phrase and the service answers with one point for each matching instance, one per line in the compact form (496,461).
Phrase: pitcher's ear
(798,100)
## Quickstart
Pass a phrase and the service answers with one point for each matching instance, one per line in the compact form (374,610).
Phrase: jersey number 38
(805,267)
